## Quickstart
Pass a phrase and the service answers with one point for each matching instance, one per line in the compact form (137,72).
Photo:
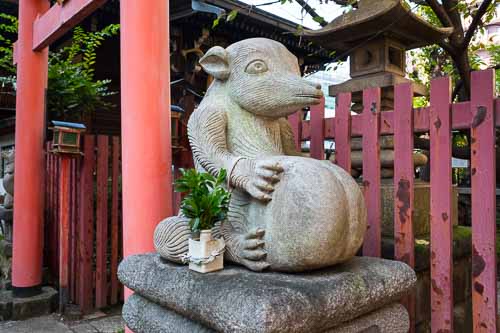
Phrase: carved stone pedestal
(358,296)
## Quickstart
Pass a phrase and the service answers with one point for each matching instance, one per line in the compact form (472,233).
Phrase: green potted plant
(205,204)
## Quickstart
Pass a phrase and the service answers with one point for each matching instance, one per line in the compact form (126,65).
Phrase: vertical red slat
(403,184)
(343,131)
(57,170)
(74,202)
(102,220)
(114,218)
(371,171)
(295,121)
(50,213)
(72,266)
(441,219)
(317,130)
(53,213)
(484,273)
(86,224)
(64,232)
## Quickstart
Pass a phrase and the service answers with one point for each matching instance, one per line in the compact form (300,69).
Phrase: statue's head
(261,76)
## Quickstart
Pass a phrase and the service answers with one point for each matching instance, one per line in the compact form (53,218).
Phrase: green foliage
(72,88)
(8,29)
(432,61)
(207,201)
(494,51)
(228,18)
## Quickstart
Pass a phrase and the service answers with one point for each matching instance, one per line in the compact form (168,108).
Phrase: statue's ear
(215,63)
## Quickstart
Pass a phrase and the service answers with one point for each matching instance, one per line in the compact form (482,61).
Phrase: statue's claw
(256,266)
(266,174)
(247,249)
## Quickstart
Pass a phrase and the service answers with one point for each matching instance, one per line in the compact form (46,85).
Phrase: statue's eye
(256,67)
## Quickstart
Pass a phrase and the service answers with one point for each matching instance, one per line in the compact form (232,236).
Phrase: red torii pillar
(145,103)
(29,158)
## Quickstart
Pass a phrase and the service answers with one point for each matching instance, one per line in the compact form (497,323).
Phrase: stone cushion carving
(143,316)
(237,299)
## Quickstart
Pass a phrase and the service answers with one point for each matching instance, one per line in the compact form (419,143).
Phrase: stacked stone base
(359,296)
(143,316)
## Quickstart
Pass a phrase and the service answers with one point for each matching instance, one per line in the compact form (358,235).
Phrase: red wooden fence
(481,115)
(95,223)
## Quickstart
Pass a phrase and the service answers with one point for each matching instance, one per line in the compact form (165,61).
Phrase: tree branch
(475,22)
(447,47)
(309,10)
(419,2)
(440,12)
(346,3)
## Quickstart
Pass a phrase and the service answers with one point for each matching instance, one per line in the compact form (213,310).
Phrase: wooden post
(86,224)
(484,272)
(372,246)
(29,160)
(101,284)
(404,249)
(146,141)
(441,219)
(64,232)
(317,113)
(343,131)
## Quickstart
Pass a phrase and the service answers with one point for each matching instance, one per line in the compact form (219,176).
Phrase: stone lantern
(375,37)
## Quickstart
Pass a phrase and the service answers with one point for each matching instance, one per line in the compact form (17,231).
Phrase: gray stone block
(237,299)
(38,305)
(5,305)
(143,316)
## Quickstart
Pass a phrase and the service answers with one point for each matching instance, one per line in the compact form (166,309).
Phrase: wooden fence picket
(371,171)
(317,114)
(86,225)
(441,219)
(483,156)
(102,221)
(115,174)
(343,128)
(404,241)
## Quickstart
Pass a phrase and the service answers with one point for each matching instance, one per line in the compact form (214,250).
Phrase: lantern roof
(68,124)
(374,19)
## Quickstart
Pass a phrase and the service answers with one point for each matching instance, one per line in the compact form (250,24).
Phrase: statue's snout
(310,91)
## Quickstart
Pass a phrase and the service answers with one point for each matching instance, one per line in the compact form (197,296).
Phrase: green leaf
(232,15)
(206,198)
(215,23)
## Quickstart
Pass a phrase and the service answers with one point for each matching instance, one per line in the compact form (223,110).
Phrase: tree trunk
(461,60)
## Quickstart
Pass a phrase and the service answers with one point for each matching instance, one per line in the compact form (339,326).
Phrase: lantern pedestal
(66,144)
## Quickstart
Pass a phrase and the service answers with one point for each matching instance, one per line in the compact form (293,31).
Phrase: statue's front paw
(248,250)
(266,175)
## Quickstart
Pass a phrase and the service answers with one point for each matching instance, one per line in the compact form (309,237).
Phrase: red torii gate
(146,145)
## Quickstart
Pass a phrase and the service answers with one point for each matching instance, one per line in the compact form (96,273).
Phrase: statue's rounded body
(316,217)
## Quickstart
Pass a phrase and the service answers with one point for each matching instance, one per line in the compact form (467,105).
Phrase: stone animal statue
(287,213)
(8,179)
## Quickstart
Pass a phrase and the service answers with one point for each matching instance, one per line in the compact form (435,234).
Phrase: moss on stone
(460,232)
(421,245)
